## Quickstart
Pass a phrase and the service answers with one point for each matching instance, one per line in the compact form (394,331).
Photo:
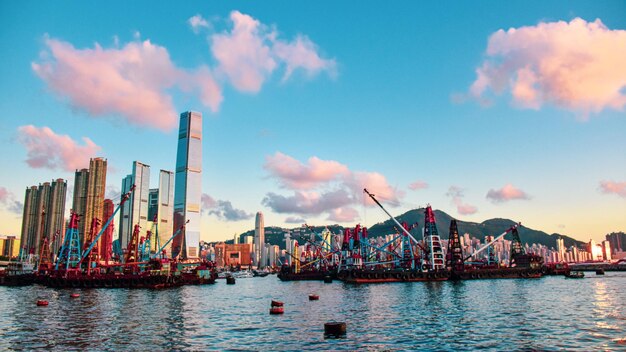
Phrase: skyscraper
(165,208)
(135,211)
(44,209)
(55,221)
(107,237)
(188,185)
(96,187)
(259,241)
(79,203)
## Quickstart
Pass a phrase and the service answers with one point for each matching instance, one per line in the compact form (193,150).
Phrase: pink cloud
(457,194)
(307,202)
(4,194)
(293,174)
(311,183)
(574,65)
(196,22)
(208,202)
(345,214)
(251,51)
(302,53)
(131,82)
(417,185)
(506,193)
(611,187)
(46,149)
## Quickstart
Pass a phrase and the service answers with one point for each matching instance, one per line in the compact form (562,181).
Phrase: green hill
(491,227)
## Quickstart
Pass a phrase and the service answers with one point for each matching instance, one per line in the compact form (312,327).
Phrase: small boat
(244,274)
(575,275)
(18,273)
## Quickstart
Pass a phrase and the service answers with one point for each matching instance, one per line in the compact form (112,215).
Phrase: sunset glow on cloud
(506,193)
(129,81)
(612,187)
(324,186)
(576,65)
(46,149)
(457,194)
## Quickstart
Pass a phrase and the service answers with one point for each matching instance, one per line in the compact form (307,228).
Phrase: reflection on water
(552,313)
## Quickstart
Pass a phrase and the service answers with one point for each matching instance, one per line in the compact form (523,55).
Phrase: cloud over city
(8,202)
(134,82)
(324,187)
(457,194)
(612,187)
(46,149)
(223,209)
(506,193)
(576,65)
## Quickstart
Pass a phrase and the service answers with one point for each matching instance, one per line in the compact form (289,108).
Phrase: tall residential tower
(188,185)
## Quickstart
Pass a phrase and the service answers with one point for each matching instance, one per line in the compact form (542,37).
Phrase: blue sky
(390,96)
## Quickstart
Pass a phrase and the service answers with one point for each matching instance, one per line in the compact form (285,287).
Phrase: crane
(170,240)
(512,228)
(124,198)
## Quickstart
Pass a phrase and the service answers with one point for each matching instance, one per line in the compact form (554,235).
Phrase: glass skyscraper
(165,208)
(188,185)
(135,210)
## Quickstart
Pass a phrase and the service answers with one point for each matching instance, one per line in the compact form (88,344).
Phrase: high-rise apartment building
(135,210)
(43,217)
(106,240)
(79,202)
(259,241)
(188,185)
(618,241)
(94,211)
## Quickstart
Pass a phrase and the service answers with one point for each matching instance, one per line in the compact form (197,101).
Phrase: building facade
(106,240)
(188,186)
(165,209)
(94,211)
(135,210)
(79,201)
(259,241)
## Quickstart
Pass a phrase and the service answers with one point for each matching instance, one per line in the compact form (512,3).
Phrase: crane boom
(493,241)
(124,199)
(392,218)
(170,240)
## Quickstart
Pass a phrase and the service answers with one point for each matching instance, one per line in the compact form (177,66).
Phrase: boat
(288,274)
(244,274)
(497,273)
(156,275)
(368,276)
(18,273)
(575,275)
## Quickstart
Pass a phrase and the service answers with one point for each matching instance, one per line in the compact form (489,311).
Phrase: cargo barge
(358,276)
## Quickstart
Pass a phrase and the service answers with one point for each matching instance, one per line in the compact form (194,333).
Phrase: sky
(483,109)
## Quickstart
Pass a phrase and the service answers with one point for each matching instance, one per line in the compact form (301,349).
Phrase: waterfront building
(606,250)
(259,241)
(135,210)
(43,216)
(94,210)
(274,255)
(165,209)
(232,255)
(9,247)
(79,202)
(188,185)
(106,240)
(560,247)
(618,241)
(236,239)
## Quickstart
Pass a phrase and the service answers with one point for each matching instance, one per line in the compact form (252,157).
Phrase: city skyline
(481,111)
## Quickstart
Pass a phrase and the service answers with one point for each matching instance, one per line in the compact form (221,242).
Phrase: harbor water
(551,313)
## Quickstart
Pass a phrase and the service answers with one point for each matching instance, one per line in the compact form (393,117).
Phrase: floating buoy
(230,280)
(313,297)
(335,329)
(328,279)
(277,304)
(42,302)
(74,295)
(277,310)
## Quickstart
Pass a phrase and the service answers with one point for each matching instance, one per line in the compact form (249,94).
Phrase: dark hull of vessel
(123,281)
(358,276)
(17,280)
(305,276)
(497,273)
